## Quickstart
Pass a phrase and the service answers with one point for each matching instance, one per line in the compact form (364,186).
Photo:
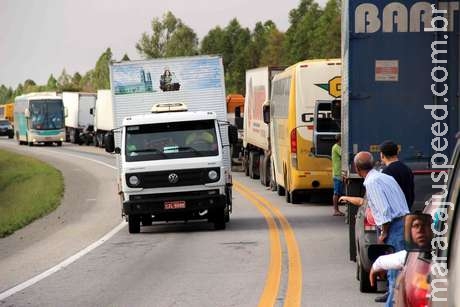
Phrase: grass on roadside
(29,189)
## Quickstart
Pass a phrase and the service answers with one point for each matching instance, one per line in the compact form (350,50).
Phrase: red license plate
(171,205)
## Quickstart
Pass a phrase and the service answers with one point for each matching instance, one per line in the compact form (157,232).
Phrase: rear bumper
(311,180)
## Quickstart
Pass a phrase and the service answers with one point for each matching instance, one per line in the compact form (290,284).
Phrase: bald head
(364,161)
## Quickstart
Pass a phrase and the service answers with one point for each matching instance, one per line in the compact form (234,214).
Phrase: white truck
(103,116)
(257,157)
(80,120)
(172,145)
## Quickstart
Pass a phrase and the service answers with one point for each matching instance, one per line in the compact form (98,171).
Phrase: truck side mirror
(109,142)
(417,232)
(91,111)
(232,134)
(27,113)
(266,113)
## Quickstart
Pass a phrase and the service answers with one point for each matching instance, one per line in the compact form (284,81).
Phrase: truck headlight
(212,175)
(134,180)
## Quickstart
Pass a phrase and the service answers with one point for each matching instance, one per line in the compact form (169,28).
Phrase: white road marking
(61,265)
(71,259)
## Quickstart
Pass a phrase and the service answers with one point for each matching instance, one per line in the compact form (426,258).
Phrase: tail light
(294,141)
(369,222)
(294,148)
(418,297)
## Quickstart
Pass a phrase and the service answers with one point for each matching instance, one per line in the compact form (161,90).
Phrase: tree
(52,84)
(299,36)
(86,83)
(125,57)
(101,73)
(64,82)
(326,36)
(170,37)
(30,86)
(273,52)
(213,42)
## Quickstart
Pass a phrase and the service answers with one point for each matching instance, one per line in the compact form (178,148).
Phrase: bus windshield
(171,140)
(46,114)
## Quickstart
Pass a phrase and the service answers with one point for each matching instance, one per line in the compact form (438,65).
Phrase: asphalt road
(174,264)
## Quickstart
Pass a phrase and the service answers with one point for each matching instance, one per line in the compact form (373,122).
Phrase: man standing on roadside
(388,205)
(398,170)
(336,156)
(403,176)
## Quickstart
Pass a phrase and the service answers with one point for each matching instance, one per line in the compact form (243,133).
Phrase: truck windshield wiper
(190,149)
(153,150)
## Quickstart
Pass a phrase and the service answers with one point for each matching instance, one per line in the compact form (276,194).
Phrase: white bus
(39,118)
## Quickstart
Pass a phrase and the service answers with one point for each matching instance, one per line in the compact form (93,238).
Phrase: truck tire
(134,223)
(253,165)
(246,163)
(280,190)
(261,168)
(219,219)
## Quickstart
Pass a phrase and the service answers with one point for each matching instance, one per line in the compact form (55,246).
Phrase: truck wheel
(219,219)
(134,224)
(253,165)
(280,190)
(262,170)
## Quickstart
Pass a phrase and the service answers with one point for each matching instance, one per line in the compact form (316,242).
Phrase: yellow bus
(299,167)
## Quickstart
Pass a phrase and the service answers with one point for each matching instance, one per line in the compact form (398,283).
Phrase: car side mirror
(232,134)
(417,232)
(109,142)
(376,250)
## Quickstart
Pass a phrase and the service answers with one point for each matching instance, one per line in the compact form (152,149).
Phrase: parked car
(365,230)
(412,285)
(449,285)
(6,128)
(365,236)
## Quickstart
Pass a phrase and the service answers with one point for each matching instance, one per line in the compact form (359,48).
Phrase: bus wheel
(59,143)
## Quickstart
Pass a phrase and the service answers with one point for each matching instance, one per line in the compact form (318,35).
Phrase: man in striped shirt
(388,205)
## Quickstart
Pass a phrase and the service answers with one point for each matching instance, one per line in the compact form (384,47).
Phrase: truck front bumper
(174,203)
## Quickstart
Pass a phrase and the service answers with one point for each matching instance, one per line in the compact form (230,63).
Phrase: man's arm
(393,261)
(357,201)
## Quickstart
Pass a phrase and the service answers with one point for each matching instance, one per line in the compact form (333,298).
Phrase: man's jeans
(396,239)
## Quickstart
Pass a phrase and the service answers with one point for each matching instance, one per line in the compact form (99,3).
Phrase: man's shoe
(382,299)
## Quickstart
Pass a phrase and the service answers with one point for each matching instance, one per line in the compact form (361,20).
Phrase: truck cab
(172,167)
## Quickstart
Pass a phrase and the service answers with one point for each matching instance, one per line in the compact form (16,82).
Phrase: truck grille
(173,178)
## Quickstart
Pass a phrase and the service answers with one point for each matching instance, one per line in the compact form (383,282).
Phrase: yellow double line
(294,285)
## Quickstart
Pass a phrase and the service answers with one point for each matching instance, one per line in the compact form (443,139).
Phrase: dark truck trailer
(399,81)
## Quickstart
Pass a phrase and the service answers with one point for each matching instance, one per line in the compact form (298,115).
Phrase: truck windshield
(47,114)
(171,140)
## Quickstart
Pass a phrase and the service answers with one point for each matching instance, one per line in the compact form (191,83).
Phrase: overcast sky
(41,37)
